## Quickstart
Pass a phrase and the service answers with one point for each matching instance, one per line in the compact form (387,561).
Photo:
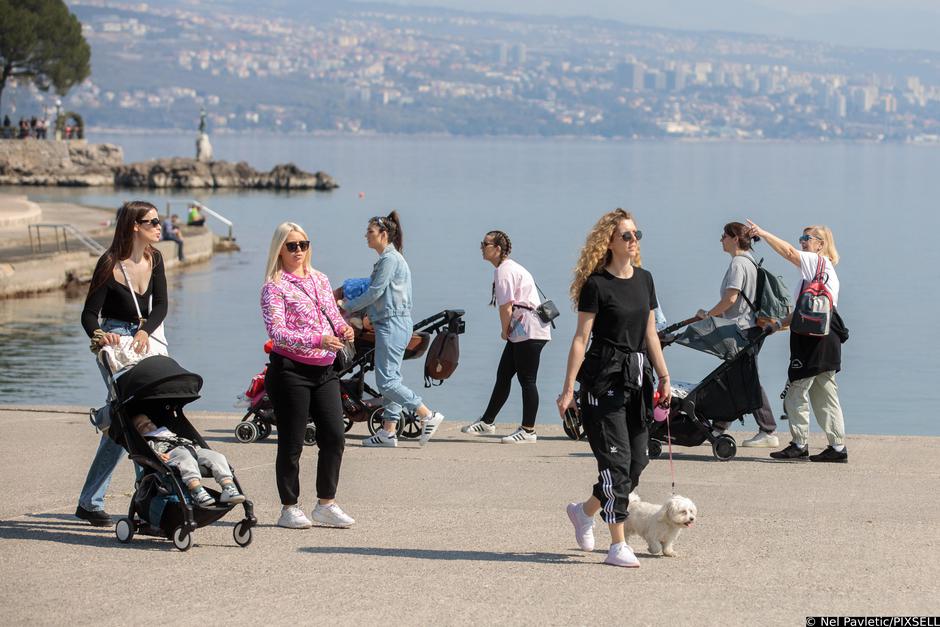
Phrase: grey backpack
(771,298)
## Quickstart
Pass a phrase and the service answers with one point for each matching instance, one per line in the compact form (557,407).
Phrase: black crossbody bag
(547,311)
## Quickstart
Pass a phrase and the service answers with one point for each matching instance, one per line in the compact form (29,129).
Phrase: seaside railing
(206,211)
(65,229)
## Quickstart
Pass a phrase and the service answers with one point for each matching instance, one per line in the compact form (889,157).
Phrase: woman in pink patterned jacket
(300,315)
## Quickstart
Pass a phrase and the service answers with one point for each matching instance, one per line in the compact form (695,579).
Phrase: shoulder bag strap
(743,295)
(140,317)
(319,306)
(539,289)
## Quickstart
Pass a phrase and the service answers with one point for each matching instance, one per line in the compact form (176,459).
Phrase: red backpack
(813,312)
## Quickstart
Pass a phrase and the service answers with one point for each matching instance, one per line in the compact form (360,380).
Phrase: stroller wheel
(124,530)
(724,447)
(310,435)
(409,426)
(264,430)
(655,448)
(182,539)
(347,424)
(242,533)
(246,432)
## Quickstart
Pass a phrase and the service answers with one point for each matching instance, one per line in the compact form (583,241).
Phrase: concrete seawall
(471,531)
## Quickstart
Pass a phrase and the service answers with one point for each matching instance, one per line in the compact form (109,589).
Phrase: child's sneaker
(429,425)
(293,517)
(478,427)
(332,516)
(381,438)
(520,436)
(201,497)
(622,555)
(230,494)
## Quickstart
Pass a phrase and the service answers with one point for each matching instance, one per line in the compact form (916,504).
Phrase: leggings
(522,360)
(297,391)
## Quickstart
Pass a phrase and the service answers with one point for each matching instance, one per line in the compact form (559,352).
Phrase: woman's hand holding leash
(665,391)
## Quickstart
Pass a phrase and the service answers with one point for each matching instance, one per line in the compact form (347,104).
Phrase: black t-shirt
(622,308)
(114,300)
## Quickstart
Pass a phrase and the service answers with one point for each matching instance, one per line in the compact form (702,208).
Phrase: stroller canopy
(158,378)
(715,336)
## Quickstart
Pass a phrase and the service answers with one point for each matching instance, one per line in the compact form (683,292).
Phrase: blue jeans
(109,453)
(391,338)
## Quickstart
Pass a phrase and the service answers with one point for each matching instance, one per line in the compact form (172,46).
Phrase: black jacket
(811,355)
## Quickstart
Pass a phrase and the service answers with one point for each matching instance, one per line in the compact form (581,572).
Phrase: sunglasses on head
(302,246)
(806,238)
(151,221)
(629,236)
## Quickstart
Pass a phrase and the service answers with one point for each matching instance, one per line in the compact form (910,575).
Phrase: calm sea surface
(881,202)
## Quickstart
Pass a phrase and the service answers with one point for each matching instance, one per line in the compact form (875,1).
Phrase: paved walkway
(14,236)
(471,531)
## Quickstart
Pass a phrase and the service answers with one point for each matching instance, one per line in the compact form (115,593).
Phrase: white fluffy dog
(659,525)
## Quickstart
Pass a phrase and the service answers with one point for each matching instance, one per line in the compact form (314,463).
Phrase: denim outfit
(388,305)
(109,453)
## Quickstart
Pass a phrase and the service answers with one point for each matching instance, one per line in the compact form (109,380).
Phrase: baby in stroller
(187,456)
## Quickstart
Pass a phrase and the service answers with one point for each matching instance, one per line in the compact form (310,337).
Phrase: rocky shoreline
(77,163)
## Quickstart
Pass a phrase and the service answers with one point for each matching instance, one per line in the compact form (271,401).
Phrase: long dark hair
(122,245)
(738,232)
(501,240)
(392,225)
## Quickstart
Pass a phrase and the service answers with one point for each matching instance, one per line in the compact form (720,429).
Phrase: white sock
(838,447)
(802,447)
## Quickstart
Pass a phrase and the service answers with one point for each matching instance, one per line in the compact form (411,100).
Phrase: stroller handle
(677,326)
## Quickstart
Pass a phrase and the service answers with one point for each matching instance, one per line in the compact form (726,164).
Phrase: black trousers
(618,436)
(764,416)
(520,359)
(297,391)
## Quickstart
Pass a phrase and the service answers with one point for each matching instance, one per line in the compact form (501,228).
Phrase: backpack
(442,358)
(771,298)
(813,313)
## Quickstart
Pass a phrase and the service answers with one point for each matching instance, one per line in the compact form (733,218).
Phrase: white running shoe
(479,427)
(332,516)
(583,526)
(762,440)
(429,425)
(381,438)
(231,495)
(622,555)
(519,436)
(293,517)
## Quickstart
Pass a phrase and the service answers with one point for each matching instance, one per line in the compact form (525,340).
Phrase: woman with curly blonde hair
(615,299)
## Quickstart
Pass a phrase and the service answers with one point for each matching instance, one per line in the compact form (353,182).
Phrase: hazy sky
(870,23)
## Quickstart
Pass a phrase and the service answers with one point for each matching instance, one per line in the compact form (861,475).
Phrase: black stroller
(361,402)
(724,395)
(160,506)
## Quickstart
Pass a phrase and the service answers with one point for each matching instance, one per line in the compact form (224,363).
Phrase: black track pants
(618,437)
(520,359)
(297,391)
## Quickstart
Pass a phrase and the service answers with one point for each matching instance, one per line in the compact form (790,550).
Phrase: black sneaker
(791,452)
(97,517)
(831,455)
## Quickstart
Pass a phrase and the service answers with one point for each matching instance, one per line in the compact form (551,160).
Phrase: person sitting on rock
(172,233)
(195,216)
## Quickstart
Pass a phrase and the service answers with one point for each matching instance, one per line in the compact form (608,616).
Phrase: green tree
(41,41)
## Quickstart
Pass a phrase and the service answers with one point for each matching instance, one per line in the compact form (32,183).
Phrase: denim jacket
(389,292)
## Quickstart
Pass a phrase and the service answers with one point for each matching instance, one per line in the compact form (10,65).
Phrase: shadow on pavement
(430,554)
(65,529)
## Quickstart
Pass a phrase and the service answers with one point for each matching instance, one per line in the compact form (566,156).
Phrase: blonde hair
(824,233)
(596,251)
(274,267)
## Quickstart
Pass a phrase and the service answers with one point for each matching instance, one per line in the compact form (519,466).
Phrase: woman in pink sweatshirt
(302,319)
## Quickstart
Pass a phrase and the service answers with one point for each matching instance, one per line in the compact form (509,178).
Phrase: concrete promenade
(469,531)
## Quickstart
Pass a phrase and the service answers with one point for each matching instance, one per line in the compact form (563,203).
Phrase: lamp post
(58,114)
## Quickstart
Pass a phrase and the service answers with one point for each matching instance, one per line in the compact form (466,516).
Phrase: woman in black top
(616,299)
(111,299)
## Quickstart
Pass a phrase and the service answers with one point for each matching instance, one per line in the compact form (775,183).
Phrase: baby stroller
(361,402)
(161,506)
(724,395)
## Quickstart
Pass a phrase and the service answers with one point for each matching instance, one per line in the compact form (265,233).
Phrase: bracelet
(663,376)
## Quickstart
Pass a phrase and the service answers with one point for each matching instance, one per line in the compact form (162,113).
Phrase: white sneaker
(519,436)
(381,438)
(293,517)
(479,427)
(762,440)
(332,516)
(429,425)
(583,526)
(622,555)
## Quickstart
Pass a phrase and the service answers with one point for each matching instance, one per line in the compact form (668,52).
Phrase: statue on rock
(203,146)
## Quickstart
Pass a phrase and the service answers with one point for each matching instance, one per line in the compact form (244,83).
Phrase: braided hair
(501,240)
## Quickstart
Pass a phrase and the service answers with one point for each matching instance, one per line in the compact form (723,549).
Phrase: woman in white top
(738,295)
(516,296)
(814,361)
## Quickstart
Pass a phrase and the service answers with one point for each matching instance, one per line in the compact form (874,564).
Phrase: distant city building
(630,75)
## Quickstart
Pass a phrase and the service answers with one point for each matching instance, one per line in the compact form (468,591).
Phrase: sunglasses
(152,222)
(483,245)
(629,236)
(302,246)
(806,238)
